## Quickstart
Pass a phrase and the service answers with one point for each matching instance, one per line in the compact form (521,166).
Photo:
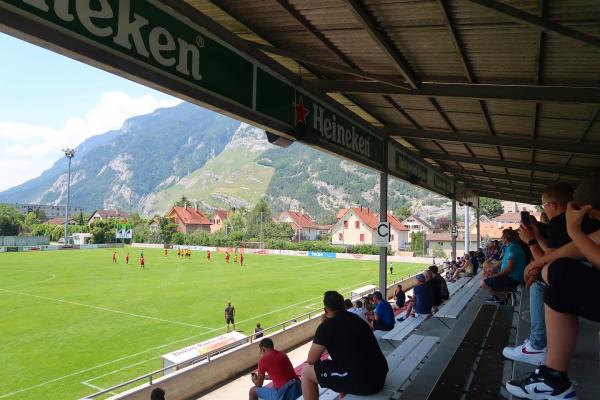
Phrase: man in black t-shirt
(357,365)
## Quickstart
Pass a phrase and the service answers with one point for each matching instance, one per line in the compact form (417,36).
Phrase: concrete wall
(190,382)
(24,240)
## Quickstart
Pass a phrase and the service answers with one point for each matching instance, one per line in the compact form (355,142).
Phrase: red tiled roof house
(305,228)
(188,219)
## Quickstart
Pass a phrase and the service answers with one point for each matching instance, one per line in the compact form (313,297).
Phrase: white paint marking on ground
(119,370)
(98,388)
(53,276)
(106,309)
(135,354)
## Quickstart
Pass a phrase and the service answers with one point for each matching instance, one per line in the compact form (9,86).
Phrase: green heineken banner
(404,165)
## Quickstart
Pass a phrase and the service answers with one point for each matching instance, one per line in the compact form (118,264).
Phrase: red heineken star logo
(300,112)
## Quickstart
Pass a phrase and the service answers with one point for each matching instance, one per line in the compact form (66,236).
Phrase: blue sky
(48,101)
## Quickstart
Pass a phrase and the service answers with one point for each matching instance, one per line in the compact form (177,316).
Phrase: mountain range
(215,161)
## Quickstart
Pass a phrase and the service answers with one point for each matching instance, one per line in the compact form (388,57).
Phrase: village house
(305,228)
(416,224)
(217,220)
(356,226)
(103,215)
(188,219)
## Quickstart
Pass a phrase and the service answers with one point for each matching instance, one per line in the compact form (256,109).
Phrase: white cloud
(27,150)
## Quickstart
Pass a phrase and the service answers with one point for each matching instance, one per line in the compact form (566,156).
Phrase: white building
(50,211)
(356,226)
(305,228)
(416,224)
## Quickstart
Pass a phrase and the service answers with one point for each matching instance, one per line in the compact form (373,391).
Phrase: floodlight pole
(69,153)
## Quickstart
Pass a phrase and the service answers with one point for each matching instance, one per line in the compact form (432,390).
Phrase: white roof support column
(478,230)
(383,194)
(453,254)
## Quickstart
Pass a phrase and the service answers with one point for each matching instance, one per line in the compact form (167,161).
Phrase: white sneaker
(525,353)
(537,387)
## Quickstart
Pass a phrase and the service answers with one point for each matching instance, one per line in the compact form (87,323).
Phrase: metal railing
(207,356)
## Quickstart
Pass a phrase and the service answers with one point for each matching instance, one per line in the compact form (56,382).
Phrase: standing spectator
(511,269)
(423,298)
(360,311)
(445,294)
(286,385)
(383,319)
(258,331)
(357,365)
(230,316)
(399,296)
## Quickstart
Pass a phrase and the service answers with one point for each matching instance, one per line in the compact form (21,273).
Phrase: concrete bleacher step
(401,363)
(403,329)
(457,303)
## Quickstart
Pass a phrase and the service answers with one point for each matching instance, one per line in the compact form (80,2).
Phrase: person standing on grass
(142,262)
(166,252)
(114,257)
(230,316)
(208,255)
(391,268)
(241,259)
(227,257)
(127,258)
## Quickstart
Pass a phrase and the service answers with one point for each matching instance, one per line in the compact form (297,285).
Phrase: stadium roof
(501,96)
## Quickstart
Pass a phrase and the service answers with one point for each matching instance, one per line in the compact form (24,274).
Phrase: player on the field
(227,257)
(208,255)
(142,262)
(127,258)
(166,252)
(114,258)
(178,253)
(230,316)
(241,259)
(235,258)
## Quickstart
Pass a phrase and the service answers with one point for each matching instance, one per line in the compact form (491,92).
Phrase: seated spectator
(258,331)
(357,365)
(466,269)
(438,286)
(348,304)
(571,292)
(399,296)
(423,299)
(286,385)
(360,311)
(474,261)
(383,318)
(157,394)
(511,269)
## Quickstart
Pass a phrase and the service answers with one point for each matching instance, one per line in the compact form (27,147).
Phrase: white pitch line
(97,387)
(119,370)
(131,355)
(106,309)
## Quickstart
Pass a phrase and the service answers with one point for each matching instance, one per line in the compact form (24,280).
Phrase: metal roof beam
(505,196)
(388,80)
(505,189)
(560,146)
(515,178)
(571,94)
(362,15)
(506,164)
(541,24)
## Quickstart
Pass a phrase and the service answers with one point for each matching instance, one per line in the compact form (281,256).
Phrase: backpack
(445,292)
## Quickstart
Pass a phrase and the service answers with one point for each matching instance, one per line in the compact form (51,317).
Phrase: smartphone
(525,220)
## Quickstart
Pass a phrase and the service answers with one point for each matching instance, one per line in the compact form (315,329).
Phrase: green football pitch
(72,322)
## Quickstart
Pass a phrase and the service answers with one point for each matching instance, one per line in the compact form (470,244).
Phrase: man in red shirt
(286,385)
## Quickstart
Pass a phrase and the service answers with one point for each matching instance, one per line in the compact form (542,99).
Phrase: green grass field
(71,321)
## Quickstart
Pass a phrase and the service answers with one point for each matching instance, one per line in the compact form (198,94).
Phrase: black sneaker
(537,387)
